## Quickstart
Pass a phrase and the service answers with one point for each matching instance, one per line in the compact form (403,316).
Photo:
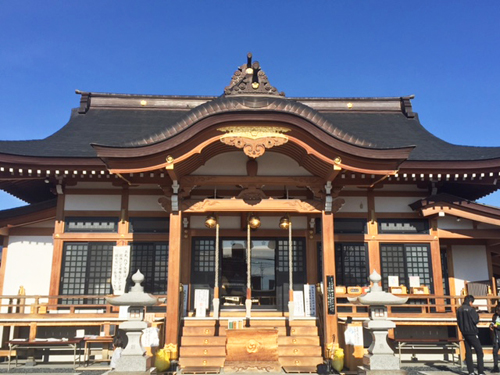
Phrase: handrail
(70,304)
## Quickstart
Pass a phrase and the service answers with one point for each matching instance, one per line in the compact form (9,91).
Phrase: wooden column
(57,253)
(373,244)
(437,272)
(330,321)
(123,225)
(5,244)
(174,258)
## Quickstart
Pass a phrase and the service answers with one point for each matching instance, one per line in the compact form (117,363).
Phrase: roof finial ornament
(250,79)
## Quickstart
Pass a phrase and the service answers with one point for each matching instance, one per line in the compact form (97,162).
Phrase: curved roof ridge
(244,103)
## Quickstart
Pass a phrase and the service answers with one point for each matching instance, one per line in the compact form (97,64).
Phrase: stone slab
(364,371)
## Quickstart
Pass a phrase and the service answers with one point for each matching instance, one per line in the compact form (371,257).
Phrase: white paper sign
(201,303)
(354,335)
(120,269)
(414,281)
(393,281)
(298,301)
(310,299)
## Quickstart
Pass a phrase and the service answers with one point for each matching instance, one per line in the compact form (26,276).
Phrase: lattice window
(406,260)
(204,255)
(151,258)
(298,259)
(351,263)
(91,225)
(86,270)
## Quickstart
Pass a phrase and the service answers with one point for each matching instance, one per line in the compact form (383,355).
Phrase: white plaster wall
(486,226)
(354,204)
(227,164)
(274,164)
(144,203)
(450,222)
(42,224)
(29,263)
(235,164)
(469,264)
(83,202)
(394,204)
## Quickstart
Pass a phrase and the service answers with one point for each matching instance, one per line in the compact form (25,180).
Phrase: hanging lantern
(285,222)
(254,221)
(210,221)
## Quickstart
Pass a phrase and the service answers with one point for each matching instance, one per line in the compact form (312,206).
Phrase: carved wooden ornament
(254,140)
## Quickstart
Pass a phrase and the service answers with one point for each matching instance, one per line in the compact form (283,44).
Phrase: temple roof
(121,121)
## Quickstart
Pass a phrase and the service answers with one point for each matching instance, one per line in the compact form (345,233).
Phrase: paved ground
(63,369)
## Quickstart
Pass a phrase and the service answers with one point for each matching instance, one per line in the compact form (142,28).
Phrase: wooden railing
(64,304)
(433,306)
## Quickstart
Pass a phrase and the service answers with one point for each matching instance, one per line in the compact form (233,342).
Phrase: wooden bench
(73,344)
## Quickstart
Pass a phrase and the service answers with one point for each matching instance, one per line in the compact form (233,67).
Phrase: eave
(446,204)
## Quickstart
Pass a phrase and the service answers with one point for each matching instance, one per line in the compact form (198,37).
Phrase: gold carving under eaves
(254,140)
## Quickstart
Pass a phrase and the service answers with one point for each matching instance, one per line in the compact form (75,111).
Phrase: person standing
(495,328)
(467,319)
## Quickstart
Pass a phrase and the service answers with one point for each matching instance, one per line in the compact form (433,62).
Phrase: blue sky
(445,52)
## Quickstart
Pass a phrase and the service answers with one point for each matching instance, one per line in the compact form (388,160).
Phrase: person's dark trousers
(496,346)
(472,341)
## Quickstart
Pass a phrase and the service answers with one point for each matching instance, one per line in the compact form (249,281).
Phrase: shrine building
(246,212)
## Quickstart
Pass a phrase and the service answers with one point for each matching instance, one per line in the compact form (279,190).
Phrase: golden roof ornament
(250,79)
(254,140)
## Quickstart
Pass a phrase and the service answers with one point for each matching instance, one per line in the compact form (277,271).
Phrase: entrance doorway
(234,273)
(269,273)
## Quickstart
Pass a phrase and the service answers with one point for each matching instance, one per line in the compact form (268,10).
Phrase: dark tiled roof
(126,127)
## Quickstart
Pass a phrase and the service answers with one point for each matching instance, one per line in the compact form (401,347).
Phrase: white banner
(120,270)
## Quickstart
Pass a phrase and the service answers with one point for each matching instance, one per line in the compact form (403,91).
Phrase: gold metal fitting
(143,103)
(170,159)
(349,105)
(337,160)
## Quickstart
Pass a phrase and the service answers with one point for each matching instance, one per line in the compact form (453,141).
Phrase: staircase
(203,344)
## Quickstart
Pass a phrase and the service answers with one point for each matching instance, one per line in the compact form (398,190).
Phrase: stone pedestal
(365,371)
(380,355)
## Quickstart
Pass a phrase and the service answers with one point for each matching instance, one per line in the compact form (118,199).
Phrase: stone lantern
(380,359)
(133,360)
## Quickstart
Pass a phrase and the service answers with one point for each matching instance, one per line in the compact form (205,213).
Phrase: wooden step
(302,322)
(200,351)
(198,331)
(199,322)
(299,350)
(203,341)
(301,361)
(298,340)
(201,361)
(304,331)
(281,330)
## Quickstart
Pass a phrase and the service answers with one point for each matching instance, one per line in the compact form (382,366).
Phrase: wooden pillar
(373,244)
(5,249)
(57,253)
(123,225)
(173,300)
(330,320)
(437,272)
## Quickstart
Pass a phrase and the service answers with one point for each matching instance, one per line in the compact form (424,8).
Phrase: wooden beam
(333,173)
(265,205)
(437,272)
(251,180)
(57,254)
(173,292)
